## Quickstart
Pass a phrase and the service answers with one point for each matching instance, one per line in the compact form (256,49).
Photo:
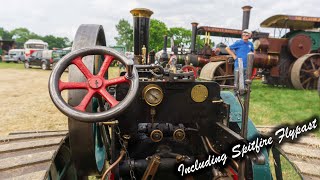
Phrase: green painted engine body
(260,172)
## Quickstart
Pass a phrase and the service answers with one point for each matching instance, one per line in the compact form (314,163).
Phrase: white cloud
(62,18)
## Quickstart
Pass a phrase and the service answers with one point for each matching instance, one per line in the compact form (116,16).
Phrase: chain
(122,143)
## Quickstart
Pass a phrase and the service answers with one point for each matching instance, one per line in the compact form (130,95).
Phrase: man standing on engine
(241,49)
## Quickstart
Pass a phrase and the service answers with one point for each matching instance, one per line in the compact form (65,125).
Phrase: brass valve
(179,135)
(156,135)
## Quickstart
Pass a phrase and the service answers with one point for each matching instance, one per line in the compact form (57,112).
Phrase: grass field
(271,105)
(11,65)
(276,105)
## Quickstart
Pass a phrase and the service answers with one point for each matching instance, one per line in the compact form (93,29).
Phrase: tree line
(181,36)
(21,35)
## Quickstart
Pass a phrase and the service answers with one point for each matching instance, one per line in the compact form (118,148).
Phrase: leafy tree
(157,30)
(4,34)
(199,42)
(56,42)
(21,35)
(181,36)
(125,32)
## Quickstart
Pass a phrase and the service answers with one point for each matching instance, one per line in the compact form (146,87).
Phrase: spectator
(241,49)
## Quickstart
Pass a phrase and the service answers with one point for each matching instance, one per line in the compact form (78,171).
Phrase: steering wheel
(95,84)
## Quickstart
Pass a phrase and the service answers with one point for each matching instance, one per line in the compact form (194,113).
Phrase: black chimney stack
(141,19)
(164,56)
(165,44)
(246,17)
(194,37)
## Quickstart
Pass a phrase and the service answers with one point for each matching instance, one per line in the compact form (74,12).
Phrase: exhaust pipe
(165,44)
(246,17)
(194,37)
(164,56)
(141,21)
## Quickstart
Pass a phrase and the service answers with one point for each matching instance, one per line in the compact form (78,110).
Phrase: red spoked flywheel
(95,84)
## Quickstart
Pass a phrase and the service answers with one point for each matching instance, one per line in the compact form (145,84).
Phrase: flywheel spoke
(72,85)
(82,67)
(85,101)
(110,99)
(117,80)
(105,65)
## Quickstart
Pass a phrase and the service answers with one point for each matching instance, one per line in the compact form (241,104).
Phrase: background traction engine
(214,65)
(147,121)
(294,59)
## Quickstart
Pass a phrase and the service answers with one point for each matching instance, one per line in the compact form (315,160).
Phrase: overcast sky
(63,17)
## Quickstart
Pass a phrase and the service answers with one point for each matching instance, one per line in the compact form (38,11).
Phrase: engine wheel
(215,71)
(306,71)
(63,167)
(188,68)
(85,142)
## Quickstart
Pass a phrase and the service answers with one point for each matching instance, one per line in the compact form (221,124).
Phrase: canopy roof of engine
(220,32)
(292,22)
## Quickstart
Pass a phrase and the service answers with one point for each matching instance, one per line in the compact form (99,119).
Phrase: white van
(15,55)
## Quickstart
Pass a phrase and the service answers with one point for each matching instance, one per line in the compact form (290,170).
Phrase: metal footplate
(29,155)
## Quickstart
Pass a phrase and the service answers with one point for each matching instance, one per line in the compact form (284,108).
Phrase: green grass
(11,65)
(271,105)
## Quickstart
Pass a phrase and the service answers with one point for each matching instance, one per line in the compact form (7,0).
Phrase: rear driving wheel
(306,71)
(63,168)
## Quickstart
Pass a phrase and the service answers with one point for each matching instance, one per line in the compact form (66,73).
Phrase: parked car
(42,58)
(15,55)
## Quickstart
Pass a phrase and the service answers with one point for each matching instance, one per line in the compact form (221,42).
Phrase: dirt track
(23,109)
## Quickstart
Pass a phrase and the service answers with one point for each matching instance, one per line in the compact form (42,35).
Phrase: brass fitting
(156,135)
(110,123)
(179,135)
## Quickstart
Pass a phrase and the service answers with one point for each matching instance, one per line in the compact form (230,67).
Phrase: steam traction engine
(215,65)
(147,121)
(293,59)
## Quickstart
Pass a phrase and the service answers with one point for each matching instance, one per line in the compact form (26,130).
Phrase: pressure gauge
(152,94)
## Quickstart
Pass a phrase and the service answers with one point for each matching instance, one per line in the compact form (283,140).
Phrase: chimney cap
(194,24)
(246,8)
(141,12)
